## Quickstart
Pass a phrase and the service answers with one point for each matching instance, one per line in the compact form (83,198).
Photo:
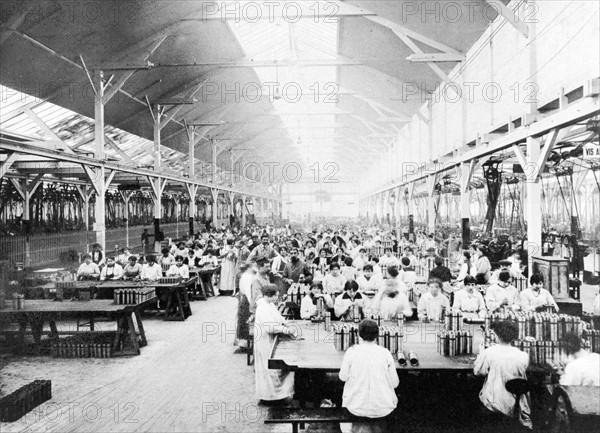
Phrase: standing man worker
(145,242)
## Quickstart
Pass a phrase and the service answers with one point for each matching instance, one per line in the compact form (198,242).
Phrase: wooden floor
(186,380)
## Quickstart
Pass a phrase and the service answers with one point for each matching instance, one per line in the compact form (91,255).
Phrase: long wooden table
(175,296)
(315,351)
(36,313)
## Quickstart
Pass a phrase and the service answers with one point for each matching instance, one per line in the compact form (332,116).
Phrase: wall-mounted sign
(591,151)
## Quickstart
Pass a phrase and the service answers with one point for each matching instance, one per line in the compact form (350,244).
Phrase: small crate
(14,406)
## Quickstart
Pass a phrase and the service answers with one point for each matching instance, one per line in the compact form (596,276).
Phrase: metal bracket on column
(95,176)
(466,177)
(19,187)
(84,193)
(158,187)
(192,190)
(35,183)
(26,186)
(534,169)
(92,175)
(126,195)
(215,194)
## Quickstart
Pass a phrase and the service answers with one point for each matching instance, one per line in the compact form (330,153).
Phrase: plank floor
(186,380)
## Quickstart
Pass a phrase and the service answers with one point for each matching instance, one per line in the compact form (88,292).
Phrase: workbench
(36,313)
(315,351)
(175,298)
(205,275)
(175,295)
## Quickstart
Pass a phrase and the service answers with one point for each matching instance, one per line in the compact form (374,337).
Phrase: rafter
(510,16)
(397,28)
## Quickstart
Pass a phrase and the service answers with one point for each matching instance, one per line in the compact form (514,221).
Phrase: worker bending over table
(502,294)
(132,269)
(536,298)
(371,378)
(501,363)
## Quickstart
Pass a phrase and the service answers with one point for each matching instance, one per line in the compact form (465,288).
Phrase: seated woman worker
(350,303)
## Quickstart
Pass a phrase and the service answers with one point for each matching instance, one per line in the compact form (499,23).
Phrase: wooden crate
(24,399)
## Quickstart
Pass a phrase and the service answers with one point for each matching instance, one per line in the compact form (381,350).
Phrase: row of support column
(100,179)
(377,207)
(401,204)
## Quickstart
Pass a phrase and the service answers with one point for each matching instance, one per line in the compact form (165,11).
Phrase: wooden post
(431,211)
(533,204)
(411,212)
(244,212)
(158,182)
(192,189)
(126,195)
(100,175)
(215,198)
(467,169)
(232,204)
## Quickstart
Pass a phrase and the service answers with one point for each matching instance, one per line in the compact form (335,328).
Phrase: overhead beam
(577,111)
(510,16)
(415,48)
(39,150)
(305,63)
(116,148)
(436,57)
(397,28)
